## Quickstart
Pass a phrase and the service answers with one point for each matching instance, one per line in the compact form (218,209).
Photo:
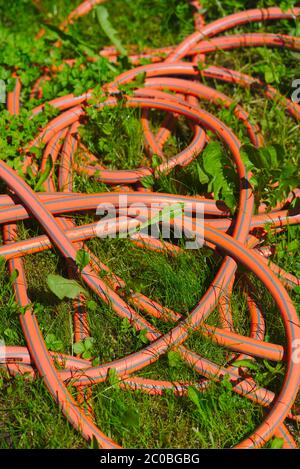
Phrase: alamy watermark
(160,221)
(296,93)
(2,351)
(296,351)
(2,92)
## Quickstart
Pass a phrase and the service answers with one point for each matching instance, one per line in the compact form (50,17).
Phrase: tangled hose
(173,85)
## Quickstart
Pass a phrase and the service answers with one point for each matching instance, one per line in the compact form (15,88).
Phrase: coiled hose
(172,84)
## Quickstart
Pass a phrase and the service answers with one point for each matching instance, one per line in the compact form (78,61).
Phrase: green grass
(28,416)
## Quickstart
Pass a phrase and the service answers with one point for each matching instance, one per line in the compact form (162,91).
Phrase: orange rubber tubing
(235,238)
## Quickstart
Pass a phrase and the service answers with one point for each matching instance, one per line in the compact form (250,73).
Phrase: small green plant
(53,343)
(128,329)
(264,372)
(84,348)
(82,259)
(274,176)
(217,174)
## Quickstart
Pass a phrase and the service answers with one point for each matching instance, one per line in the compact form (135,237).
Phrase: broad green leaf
(277,443)
(203,178)
(194,396)
(229,199)
(111,33)
(218,183)
(44,176)
(212,157)
(156,161)
(13,276)
(63,287)
(88,343)
(53,343)
(270,76)
(165,215)
(50,338)
(273,369)
(82,259)
(143,336)
(174,359)
(253,155)
(78,348)
(246,364)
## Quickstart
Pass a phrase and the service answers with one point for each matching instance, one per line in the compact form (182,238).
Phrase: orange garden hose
(173,85)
